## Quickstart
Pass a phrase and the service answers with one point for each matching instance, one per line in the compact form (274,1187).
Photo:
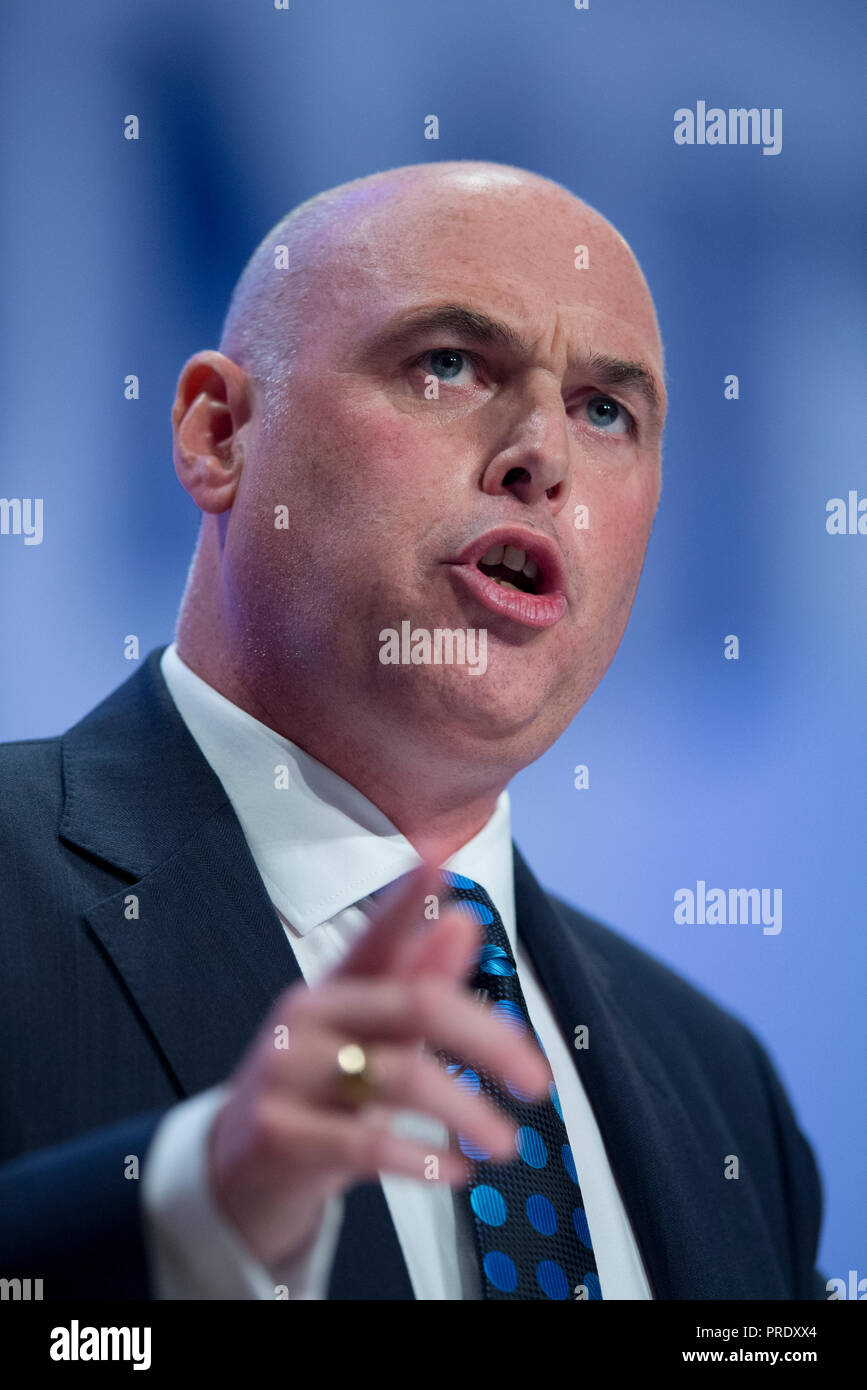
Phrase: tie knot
(495,958)
(460,889)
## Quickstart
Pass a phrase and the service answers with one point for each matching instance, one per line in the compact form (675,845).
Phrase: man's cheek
(374,430)
(406,453)
(619,538)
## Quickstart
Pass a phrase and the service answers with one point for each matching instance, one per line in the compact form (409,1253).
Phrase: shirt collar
(319,844)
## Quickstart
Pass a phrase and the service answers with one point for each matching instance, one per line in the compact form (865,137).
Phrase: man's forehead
(524,265)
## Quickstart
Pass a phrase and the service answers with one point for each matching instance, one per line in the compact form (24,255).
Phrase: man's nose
(533,450)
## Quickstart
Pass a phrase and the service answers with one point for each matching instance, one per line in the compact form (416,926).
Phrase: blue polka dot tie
(531,1230)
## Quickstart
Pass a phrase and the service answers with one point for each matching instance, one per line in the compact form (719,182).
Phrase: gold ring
(355,1082)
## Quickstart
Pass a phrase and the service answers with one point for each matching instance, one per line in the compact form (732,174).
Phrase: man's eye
(446,363)
(607,415)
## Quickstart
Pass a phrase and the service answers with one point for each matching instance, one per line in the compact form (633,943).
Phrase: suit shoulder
(31,798)
(27,768)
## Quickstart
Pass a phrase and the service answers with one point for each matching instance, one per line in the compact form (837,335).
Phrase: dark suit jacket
(105,1022)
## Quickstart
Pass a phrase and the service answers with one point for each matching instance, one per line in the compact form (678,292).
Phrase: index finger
(377,951)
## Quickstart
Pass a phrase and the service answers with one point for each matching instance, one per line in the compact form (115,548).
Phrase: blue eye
(446,363)
(607,415)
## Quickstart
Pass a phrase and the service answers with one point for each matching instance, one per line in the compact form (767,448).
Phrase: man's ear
(213,403)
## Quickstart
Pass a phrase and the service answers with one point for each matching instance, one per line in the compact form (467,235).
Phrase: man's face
(391,482)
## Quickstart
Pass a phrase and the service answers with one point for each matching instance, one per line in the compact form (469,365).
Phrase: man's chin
(454,704)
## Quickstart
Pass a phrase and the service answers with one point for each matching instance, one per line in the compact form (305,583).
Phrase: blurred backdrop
(119,256)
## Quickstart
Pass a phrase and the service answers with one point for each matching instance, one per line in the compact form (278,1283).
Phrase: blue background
(119,257)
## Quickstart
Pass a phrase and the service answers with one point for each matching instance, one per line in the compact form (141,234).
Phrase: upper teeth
(512,558)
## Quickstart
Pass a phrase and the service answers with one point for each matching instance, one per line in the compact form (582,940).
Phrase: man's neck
(438,807)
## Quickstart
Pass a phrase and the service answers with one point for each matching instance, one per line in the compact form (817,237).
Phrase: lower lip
(533,610)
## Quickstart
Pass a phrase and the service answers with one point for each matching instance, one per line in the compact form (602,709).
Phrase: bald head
(376,221)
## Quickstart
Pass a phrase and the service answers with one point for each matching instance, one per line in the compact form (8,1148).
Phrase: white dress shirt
(322,848)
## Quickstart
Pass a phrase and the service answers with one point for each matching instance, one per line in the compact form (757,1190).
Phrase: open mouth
(517,573)
(511,567)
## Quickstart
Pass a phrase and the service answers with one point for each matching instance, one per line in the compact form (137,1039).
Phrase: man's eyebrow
(450,318)
(475,326)
(614,371)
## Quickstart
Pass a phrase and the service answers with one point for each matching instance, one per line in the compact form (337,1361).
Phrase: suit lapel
(206,956)
(663,1134)
(193,933)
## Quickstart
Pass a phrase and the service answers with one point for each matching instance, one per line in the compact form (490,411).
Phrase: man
(231,1068)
